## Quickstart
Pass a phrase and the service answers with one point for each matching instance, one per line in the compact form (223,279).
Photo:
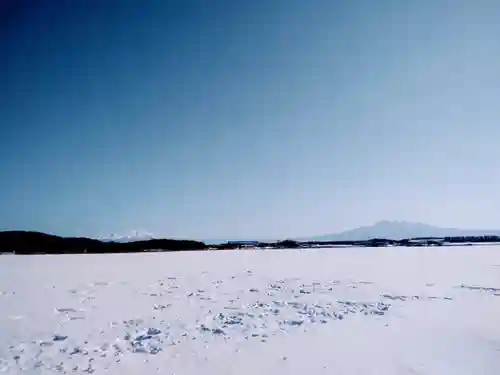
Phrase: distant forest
(25,242)
(22,242)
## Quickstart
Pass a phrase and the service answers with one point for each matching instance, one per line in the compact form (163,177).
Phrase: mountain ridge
(398,230)
(382,229)
(135,235)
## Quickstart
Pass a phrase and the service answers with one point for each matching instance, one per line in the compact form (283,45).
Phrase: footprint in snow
(58,337)
(100,283)
(480,288)
(65,310)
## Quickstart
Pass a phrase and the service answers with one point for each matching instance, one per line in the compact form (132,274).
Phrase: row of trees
(22,242)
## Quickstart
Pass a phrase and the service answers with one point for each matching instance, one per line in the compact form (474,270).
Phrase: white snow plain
(348,311)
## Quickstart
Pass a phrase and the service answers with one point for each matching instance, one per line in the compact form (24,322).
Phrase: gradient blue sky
(264,118)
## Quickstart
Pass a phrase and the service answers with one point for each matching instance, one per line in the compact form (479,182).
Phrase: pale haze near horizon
(269,119)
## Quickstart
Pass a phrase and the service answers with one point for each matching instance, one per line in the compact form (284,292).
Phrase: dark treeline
(374,242)
(24,242)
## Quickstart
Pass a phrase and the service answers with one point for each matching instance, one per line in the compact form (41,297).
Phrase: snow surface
(328,311)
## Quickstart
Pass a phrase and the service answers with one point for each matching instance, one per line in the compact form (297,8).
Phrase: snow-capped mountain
(132,236)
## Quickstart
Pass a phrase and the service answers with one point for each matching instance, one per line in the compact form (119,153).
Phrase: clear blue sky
(242,119)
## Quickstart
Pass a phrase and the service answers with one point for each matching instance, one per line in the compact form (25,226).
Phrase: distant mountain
(131,237)
(399,230)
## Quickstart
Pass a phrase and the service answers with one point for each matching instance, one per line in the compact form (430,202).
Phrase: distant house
(377,242)
(243,244)
(421,242)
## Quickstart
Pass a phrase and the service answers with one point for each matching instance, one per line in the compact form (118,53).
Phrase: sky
(261,119)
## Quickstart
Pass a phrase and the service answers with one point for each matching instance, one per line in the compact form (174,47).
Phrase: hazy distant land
(384,233)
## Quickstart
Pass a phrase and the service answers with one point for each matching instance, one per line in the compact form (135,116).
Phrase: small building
(243,244)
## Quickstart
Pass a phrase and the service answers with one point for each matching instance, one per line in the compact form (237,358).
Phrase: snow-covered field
(323,311)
